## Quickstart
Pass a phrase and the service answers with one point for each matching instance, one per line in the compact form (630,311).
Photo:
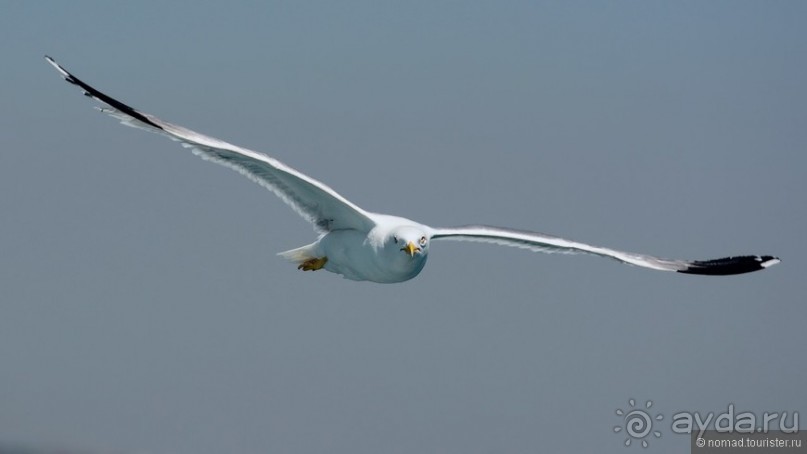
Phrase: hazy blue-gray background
(143,309)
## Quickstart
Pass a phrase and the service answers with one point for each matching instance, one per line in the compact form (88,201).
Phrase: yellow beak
(410,248)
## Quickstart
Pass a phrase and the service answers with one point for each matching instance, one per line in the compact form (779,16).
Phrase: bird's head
(411,241)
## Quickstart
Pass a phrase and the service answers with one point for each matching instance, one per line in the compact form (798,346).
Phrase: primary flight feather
(361,245)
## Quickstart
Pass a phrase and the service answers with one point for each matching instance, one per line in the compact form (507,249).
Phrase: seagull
(365,246)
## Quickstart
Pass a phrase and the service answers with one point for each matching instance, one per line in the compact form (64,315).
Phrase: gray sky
(143,309)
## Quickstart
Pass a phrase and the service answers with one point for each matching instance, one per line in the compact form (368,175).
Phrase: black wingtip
(93,93)
(730,265)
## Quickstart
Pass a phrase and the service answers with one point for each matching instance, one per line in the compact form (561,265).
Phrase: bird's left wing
(313,200)
(546,243)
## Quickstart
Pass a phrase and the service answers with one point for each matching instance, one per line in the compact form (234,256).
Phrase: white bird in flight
(365,246)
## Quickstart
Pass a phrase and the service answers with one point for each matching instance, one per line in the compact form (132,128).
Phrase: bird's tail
(301,254)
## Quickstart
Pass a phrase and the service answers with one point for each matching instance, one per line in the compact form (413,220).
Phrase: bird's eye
(423,240)
(395,238)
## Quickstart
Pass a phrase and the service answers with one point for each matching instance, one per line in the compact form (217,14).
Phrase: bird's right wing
(313,200)
(540,242)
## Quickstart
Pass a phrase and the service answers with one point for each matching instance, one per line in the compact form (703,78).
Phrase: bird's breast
(352,255)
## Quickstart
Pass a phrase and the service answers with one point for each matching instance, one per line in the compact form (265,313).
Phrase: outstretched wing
(313,200)
(547,243)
